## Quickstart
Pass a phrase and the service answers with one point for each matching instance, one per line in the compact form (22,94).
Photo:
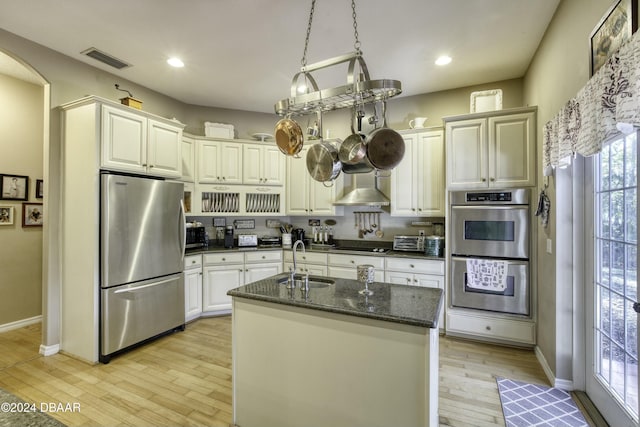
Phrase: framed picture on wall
(14,187)
(6,215)
(32,215)
(616,26)
(39,189)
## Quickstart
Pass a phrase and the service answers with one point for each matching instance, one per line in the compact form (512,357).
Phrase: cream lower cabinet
(221,273)
(486,326)
(418,182)
(417,272)
(192,286)
(313,263)
(305,196)
(262,264)
(225,271)
(491,150)
(345,266)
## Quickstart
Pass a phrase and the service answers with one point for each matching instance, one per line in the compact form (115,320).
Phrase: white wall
(559,69)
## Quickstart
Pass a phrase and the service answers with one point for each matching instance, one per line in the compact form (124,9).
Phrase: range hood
(365,192)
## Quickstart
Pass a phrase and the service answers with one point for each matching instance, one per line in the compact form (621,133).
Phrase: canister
(434,246)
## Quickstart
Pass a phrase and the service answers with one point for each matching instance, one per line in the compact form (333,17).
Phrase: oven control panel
(503,196)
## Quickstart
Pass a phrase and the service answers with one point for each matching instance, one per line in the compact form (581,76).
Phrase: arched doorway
(27,98)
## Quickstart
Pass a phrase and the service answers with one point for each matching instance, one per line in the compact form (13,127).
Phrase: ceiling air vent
(105,58)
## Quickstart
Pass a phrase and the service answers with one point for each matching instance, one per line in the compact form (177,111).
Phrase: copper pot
(289,136)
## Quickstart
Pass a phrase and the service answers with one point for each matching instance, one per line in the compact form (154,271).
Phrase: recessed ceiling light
(175,62)
(443,60)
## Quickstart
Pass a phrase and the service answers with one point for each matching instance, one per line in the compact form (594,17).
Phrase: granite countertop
(411,305)
(391,253)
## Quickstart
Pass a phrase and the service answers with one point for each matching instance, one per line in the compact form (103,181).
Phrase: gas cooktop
(362,249)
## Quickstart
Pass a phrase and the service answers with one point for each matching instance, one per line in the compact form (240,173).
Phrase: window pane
(630,161)
(605,269)
(616,174)
(632,381)
(630,218)
(604,362)
(617,319)
(617,215)
(604,215)
(617,267)
(604,168)
(605,314)
(617,370)
(631,273)
(632,330)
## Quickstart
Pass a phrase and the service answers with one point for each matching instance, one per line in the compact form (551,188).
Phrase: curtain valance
(607,105)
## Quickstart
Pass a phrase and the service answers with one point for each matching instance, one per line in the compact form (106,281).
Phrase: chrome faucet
(295,264)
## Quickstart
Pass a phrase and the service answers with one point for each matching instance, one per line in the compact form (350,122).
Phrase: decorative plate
(486,100)
(262,136)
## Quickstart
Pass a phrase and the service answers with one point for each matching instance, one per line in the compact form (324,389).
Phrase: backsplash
(344,228)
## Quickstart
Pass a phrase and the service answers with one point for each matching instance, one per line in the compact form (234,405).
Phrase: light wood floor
(185,379)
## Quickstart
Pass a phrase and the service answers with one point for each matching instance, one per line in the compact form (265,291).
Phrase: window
(616,332)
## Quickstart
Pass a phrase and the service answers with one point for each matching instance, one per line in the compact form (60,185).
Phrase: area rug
(528,405)
(16,412)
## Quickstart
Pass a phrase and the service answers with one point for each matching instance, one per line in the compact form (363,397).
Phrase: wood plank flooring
(185,379)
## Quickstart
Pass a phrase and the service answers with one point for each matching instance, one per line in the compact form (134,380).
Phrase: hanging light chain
(306,40)
(356,44)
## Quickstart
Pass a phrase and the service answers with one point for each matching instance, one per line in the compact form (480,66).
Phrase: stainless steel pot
(322,162)
(353,149)
(385,147)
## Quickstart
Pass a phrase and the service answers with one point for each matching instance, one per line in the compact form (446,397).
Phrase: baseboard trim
(20,324)
(49,350)
(555,382)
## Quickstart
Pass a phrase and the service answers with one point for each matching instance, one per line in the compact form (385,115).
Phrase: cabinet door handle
(224,259)
(492,179)
(488,328)
(353,262)
(411,265)
(150,166)
(415,280)
(263,257)
(218,178)
(144,165)
(408,280)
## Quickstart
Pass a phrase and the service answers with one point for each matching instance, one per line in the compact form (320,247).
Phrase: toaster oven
(408,243)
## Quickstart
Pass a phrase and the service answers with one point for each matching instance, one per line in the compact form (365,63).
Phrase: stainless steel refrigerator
(142,244)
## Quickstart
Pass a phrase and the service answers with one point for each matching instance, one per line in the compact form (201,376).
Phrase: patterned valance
(606,106)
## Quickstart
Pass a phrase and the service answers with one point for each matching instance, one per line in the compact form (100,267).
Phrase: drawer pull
(263,257)
(224,259)
(412,266)
(353,262)
(488,328)
(193,262)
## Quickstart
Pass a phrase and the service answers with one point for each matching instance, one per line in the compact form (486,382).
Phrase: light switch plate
(549,246)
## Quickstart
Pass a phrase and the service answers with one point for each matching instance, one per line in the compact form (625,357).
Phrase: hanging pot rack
(359,90)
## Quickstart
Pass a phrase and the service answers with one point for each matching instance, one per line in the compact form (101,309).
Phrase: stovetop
(379,250)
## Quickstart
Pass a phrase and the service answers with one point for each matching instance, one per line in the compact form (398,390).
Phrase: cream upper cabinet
(417,183)
(219,162)
(306,196)
(491,150)
(132,142)
(263,165)
(188,159)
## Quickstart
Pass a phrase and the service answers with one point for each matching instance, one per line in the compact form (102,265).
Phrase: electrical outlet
(549,246)
(420,232)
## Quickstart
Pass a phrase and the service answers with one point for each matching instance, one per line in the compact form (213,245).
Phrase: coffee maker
(228,237)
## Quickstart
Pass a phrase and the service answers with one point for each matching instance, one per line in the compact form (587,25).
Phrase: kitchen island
(331,356)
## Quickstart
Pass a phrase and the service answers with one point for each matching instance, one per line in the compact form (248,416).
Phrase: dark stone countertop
(411,305)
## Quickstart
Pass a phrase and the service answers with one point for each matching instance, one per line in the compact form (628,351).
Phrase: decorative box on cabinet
(192,286)
(491,150)
(134,142)
(417,183)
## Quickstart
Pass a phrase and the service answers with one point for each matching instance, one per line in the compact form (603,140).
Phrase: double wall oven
(490,232)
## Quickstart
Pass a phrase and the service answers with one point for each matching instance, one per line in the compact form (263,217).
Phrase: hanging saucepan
(385,147)
(353,150)
(322,162)
(289,136)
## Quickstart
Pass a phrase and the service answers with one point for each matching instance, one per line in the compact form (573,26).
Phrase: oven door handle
(509,261)
(490,208)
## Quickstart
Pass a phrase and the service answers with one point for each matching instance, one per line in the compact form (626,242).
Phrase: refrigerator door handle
(183,228)
(137,288)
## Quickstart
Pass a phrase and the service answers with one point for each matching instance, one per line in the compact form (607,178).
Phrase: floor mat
(528,405)
(16,412)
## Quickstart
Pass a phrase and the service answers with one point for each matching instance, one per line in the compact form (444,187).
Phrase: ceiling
(242,54)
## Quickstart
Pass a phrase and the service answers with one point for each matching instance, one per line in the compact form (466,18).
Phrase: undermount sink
(314,282)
